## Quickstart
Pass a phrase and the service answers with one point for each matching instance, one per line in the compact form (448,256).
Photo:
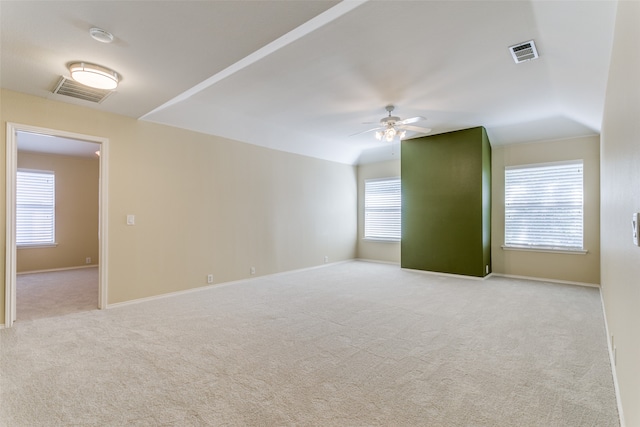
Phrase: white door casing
(10,240)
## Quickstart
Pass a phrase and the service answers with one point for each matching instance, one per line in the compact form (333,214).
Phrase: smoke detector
(523,52)
(101,35)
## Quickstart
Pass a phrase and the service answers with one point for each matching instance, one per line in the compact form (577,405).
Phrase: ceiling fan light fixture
(392,126)
(94,76)
(389,134)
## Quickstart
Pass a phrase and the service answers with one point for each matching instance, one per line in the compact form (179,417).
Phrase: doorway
(56,142)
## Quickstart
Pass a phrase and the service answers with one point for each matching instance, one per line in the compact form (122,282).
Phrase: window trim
(380,239)
(546,248)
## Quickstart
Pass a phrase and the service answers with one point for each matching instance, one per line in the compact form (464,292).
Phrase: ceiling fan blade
(365,131)
(412,120)
(416,129)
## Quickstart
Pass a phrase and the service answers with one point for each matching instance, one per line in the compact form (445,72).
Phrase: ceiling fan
(392,126)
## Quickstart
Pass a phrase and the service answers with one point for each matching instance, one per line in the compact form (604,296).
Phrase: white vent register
(523,52)
(69,87)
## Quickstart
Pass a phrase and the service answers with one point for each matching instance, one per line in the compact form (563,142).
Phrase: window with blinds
(544,206)
(382,209)
(35,208)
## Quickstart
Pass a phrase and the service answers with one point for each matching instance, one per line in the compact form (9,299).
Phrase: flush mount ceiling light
(93,75)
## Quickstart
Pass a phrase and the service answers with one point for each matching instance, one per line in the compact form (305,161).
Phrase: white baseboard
(436,273)
(51,270)
(377,261)
(456,276)
(612,361)
(216,285)
(542,279)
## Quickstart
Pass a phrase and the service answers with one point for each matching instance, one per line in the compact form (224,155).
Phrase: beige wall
(76,212)
(620,199)
(203,204)
(557,266)
(372,250)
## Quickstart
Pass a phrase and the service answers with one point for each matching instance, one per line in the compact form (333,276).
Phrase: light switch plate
(131,219)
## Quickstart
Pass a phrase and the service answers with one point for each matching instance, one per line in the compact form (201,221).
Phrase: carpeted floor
(351,344)
(56,293)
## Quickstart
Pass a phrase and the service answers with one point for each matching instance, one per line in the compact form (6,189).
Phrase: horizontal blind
(382,209)
(544,206)
(35,208)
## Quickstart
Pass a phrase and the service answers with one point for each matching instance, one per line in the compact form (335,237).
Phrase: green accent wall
(446,203)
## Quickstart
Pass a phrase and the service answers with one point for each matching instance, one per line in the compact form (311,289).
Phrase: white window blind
(382,209)
(544,206)
(35,208)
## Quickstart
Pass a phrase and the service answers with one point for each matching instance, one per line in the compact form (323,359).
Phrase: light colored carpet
(351,344)
(56,293)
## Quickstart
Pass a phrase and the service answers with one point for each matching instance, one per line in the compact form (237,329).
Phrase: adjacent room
(320,213)
(56,226)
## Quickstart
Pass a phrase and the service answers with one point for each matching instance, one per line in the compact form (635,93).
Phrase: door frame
(10,240)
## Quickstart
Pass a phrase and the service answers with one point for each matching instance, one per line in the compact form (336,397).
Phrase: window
(35,208)
(544,206)
(382,209)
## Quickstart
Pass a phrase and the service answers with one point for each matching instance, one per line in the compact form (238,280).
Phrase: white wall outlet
(209,278)
(612,342)
(326,259)
(87,260)
(252,270)
(131,219)
(634,226)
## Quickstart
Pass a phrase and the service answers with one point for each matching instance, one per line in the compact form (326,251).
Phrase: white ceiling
(39,143)
(301,76)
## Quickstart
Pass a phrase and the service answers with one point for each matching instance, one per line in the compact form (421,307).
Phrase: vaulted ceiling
(302,76)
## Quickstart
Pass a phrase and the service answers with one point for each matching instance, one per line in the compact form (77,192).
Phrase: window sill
(543,249)
(371,239)
(44,245)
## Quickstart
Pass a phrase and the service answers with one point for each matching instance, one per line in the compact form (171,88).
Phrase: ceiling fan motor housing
(389,121)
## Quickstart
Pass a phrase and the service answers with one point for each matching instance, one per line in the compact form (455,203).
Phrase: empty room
(320,213)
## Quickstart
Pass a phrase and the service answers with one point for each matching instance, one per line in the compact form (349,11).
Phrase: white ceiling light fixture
(393,126)
(94,76)
(389,133)
(389,129)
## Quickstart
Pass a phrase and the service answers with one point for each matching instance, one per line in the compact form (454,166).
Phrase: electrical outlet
(87,260)
(210,278)
(252,270)
(326,259)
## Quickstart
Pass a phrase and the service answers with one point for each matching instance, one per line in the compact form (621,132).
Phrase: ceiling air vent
(524,51)
(70,87)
